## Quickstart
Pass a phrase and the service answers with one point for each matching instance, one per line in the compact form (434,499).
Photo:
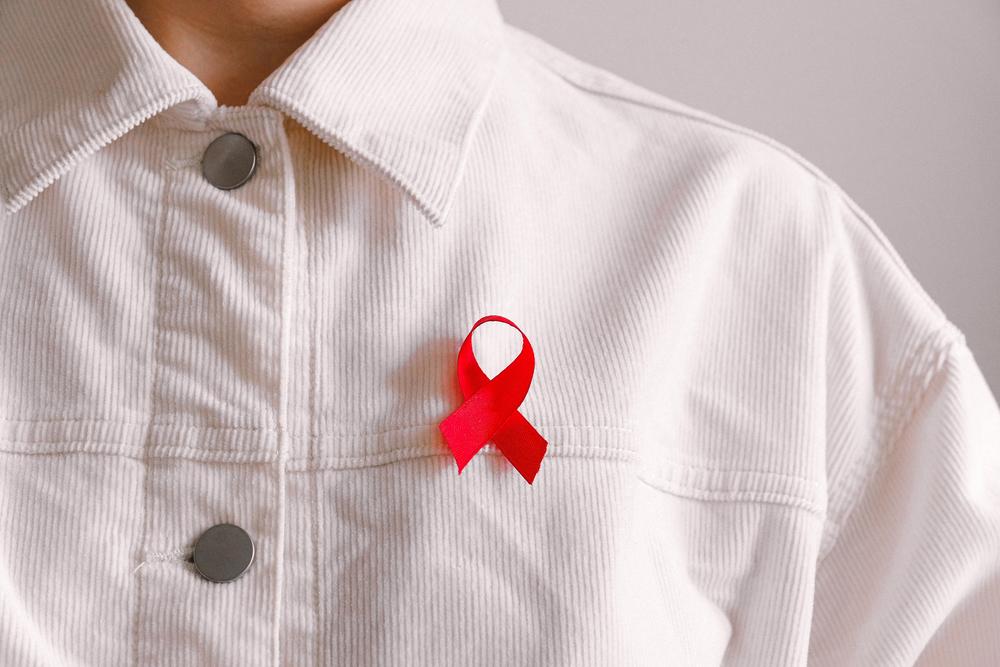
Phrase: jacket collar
(398,86)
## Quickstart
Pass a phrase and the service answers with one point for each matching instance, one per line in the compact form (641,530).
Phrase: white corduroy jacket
(766,444)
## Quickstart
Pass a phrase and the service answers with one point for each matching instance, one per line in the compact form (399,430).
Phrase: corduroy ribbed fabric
(767,444)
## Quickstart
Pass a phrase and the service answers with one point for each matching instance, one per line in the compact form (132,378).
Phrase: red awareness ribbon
(490,409)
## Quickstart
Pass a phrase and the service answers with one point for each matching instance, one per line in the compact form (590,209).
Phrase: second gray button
(223,553)
(229,161)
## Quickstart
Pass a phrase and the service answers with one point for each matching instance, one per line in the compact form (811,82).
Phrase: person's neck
(232,45)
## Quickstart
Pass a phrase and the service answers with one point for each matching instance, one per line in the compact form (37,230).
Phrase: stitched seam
(867,467)
(264,429)
(312,445)
(408,453)
(739,471)
(145,422)
(289,219)
(328,434)
(160,451)
(573,71)
(200,454)
(302,464)
(738,489)
(117,444)
(155,275)
(733,495)
(738,492)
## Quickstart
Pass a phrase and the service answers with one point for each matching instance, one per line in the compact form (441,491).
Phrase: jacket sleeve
(909,571)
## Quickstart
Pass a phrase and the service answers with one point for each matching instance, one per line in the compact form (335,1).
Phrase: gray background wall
(899,102)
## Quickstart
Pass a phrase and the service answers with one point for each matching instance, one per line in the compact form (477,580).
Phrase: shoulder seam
(557,62)
(875,233)
(562,64)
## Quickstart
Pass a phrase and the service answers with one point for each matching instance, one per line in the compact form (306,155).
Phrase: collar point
(434,209)
(434,215)
(12,201)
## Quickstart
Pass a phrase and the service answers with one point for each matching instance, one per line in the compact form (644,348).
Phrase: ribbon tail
(462,437)
(522,445)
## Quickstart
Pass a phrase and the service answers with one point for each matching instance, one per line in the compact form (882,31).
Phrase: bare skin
(232,45)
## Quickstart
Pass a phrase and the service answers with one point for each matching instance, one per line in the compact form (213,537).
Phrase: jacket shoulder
(717,150)
(656,113)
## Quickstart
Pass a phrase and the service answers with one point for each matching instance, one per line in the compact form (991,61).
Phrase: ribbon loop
(490,409)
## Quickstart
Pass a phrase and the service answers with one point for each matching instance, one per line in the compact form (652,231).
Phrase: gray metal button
(229,161)
(223,553)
